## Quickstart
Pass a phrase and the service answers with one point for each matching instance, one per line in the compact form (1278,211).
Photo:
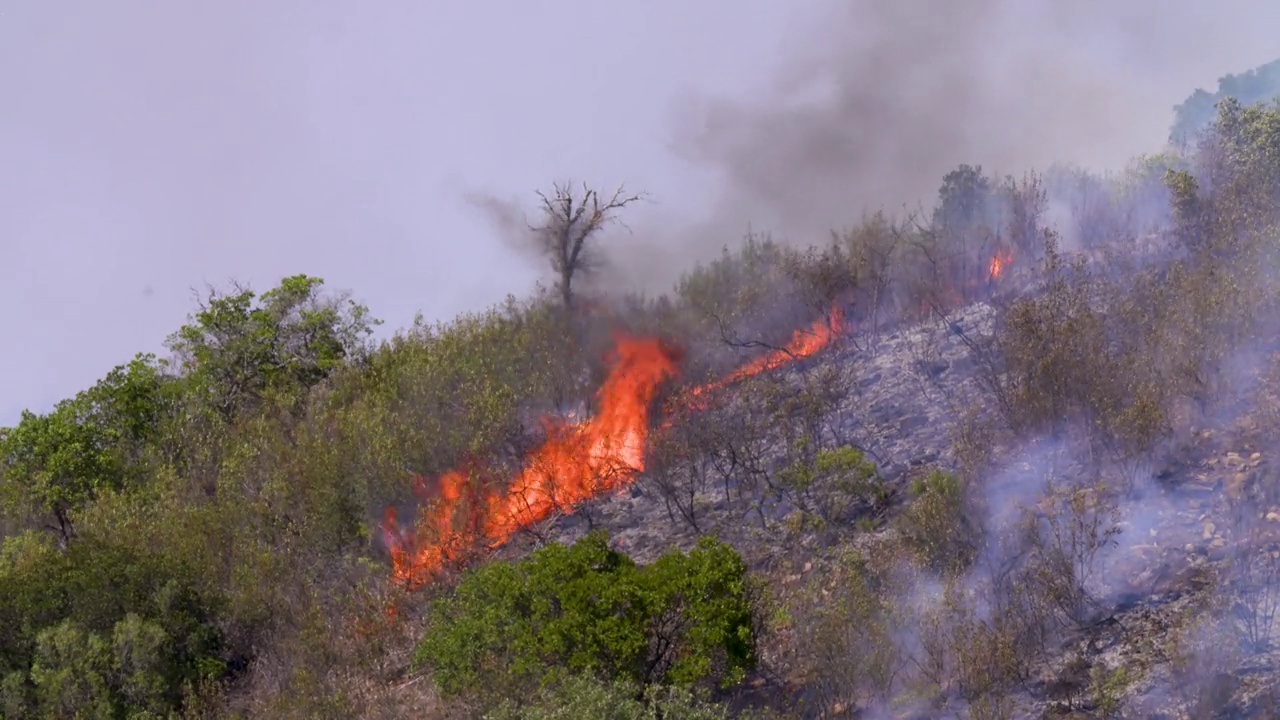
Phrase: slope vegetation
(1011,459)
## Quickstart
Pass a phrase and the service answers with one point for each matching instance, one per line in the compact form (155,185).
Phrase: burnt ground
(1194,517)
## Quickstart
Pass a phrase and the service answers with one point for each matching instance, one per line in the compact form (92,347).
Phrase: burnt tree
(570,220)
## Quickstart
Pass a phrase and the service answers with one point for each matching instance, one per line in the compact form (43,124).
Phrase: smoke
(874,102)
(509,218)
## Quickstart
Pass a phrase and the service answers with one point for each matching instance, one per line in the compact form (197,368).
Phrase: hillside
(1011,459)
(1197,112)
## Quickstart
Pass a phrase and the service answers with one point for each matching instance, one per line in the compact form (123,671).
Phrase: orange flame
(576,462)
(999,262)
(804,343)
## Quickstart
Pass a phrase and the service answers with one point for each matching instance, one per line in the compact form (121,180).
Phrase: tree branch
(731,342)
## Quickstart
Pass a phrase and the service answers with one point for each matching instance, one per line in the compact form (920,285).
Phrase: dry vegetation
(1099,536)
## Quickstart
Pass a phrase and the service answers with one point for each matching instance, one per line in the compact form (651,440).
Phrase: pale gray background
(149,147)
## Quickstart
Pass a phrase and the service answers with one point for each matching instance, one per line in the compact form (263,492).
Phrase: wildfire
(999,262)
(804,343)
(577,460)
(574,463)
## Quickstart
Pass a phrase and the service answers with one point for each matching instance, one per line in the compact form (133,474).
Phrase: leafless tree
(570,220)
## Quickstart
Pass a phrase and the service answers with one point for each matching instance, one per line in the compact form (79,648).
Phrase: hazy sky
(149,147)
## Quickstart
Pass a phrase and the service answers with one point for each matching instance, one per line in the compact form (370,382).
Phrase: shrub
(99,631)
(829,482)
(587,608)
(937,525)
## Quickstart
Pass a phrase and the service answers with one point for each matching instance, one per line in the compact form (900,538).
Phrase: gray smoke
(877,100)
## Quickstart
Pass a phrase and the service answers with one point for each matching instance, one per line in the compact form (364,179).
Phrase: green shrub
(829,482)
(99,631)
(937,524)
(587,608)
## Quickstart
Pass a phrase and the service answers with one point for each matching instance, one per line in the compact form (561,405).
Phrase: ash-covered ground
(1193,555)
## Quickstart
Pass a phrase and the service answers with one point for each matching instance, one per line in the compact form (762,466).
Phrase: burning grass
(576,461)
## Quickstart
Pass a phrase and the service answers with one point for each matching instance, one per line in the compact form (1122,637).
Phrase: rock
(1217,549)
(1209,529)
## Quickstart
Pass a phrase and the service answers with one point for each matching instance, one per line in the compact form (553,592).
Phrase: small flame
(999,262)
(576,462)
(804,343)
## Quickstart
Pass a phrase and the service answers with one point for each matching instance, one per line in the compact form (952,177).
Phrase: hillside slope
(999,462)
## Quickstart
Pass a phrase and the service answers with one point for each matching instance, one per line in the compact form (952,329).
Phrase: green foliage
(1087,355)
(440,395)
(587,608)
(736,300)
(965,200)
(845,631)
(88,444)
(737,283)
(100,630)
(938,525)
(829,481)
(237,351)
(1108,687)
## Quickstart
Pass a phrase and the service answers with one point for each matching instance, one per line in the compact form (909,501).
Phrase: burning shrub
(736,296)
(587,608)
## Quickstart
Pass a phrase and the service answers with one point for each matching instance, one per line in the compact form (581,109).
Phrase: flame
(576,462)
(804,343)
(999,262)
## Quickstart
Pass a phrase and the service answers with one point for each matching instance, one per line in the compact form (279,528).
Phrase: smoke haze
(146,149)
(876,101)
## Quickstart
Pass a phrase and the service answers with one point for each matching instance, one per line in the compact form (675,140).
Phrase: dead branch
(570,220)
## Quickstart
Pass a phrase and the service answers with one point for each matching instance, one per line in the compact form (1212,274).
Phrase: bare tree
(570,219)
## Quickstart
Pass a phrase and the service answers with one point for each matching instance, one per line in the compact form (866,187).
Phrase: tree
(101,630)
(55,463)
(964,200)
(1197,112)
(237,350)
(570,220)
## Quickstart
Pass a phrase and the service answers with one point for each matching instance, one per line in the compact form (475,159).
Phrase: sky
(151,147)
